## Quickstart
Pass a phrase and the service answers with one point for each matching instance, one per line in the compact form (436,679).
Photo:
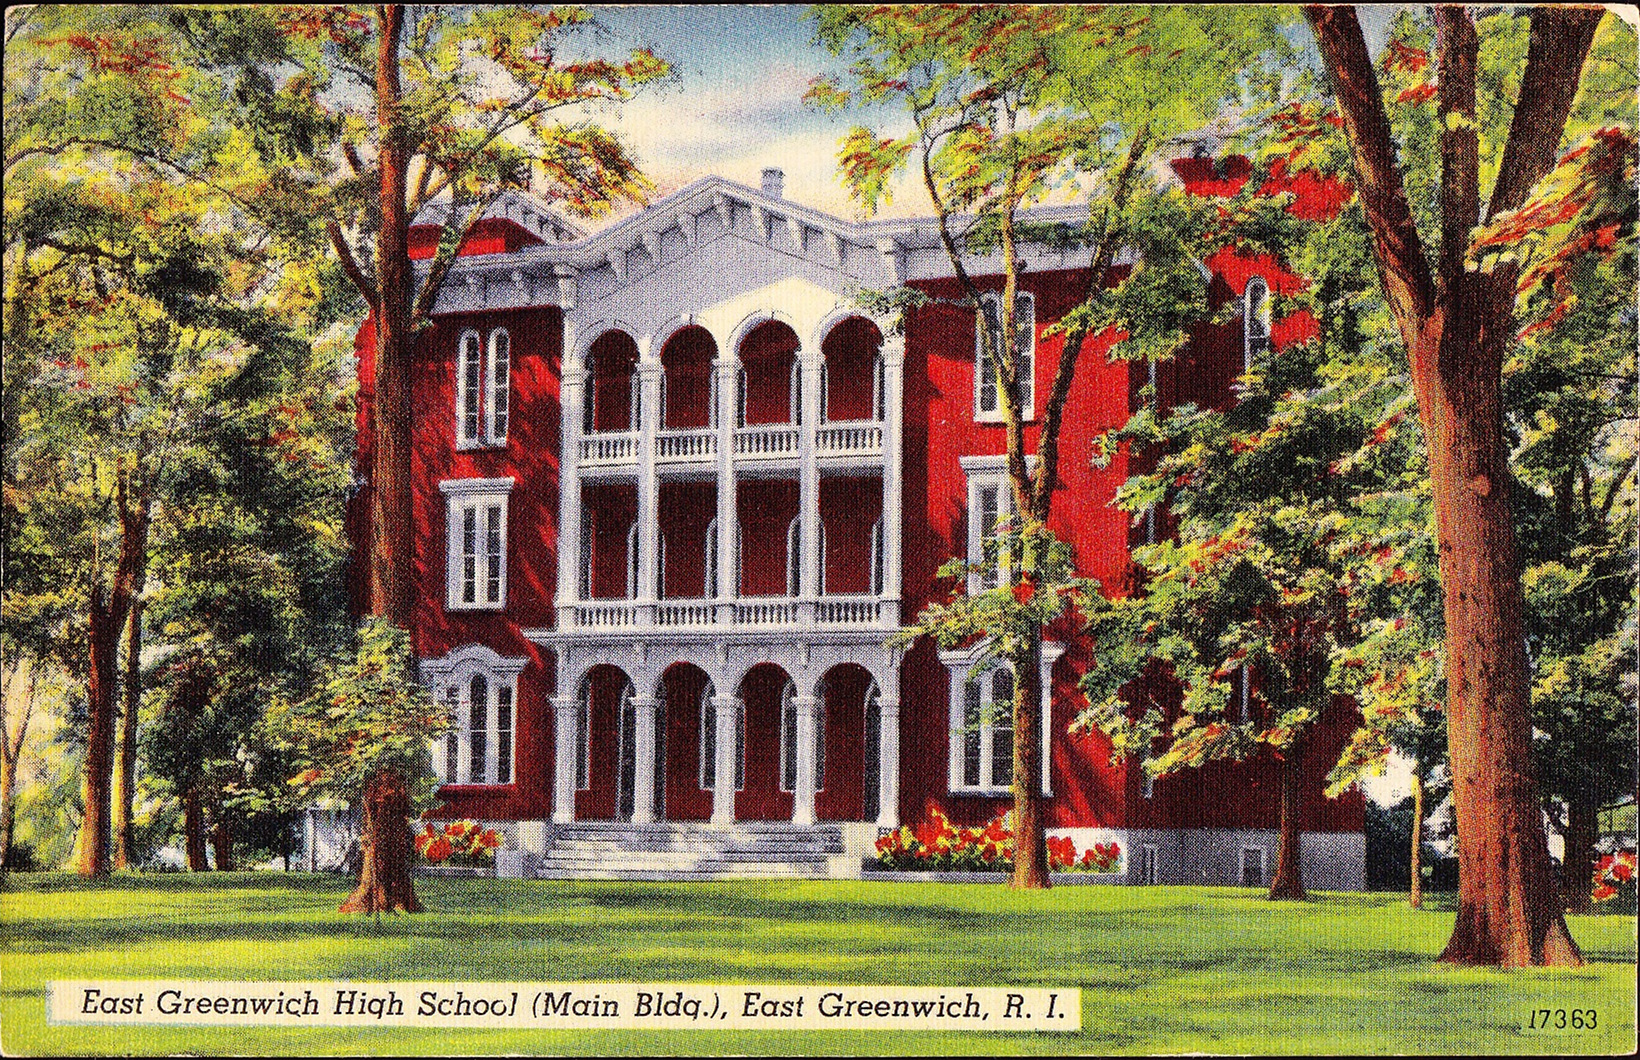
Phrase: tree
(363,735)
(1456,313)
(1007,106)
(365,121)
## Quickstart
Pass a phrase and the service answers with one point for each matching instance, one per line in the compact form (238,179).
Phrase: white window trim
(454,673)
(461,496)
(982,472)
(1027,404)
(492,392)
(958,665)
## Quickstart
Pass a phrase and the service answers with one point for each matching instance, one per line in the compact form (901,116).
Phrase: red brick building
(675,490)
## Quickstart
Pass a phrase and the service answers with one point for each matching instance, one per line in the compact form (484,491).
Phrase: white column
(567,711)
(893,420)
(808,489)
(723,791)
(649,389)
(645,709)
(728,586)
(570,395)
(888,757)
(803,789)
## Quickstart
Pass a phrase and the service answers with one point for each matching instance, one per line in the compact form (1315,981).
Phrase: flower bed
(1614,879)
(458,844)
(939,846)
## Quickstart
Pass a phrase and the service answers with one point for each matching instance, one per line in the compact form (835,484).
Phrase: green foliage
(367,713)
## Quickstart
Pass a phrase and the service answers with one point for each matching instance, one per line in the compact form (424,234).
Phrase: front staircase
(614,850)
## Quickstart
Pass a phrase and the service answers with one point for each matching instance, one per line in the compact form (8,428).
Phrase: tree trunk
(392,553)
(1577,860)
(12,736)
(96,785)
(385,885)
(193,831)
(1415,886)
(1288,882)
(1508,908)
(1030,841)
(222,840)
(1456,324)
(125,768)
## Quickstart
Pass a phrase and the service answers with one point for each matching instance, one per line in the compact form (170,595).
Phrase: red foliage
(1316,196)
(1237,268)
(1204,176)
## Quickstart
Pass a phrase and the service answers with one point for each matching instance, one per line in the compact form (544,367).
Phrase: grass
(1162,969)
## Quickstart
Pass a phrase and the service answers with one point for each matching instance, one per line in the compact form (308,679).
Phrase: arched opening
(687,693)
(602,737)
(852,384)
(850,704)
(686,380)
(769,377)
(612,383)
(763,692)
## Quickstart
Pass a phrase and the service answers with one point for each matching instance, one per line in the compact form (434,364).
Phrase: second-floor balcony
(766,441)
(761,613)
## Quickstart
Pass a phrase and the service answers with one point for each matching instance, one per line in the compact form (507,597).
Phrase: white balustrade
(686,445)
(766,441)
(686,613)
(766,613)
(863,437)
(846,610)
(852,611)
(619,448)
(600,615)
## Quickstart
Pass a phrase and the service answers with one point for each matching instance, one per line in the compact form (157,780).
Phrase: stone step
(760,872)
(674,850)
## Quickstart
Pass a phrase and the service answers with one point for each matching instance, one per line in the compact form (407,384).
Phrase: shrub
(459,843)
(937,845)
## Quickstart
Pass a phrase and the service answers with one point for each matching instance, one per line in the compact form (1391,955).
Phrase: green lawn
(1163,969)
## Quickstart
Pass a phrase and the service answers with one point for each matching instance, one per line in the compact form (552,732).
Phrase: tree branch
(350,265)
(1559,42)
(1400,253)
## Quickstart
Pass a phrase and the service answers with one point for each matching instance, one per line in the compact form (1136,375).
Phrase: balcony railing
(610,448)
(685,446)
(834,612)
(767,440)
(864,438)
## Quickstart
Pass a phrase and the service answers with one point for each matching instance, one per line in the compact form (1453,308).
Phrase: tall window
(1255,321)
(877,557)
(710,589)
(982,721)
(987,385)
(632,561)
(990,500)
(788,739)
(583,738)
(708,741)
(476,529)
(794,556)
(483,389)
(478,690)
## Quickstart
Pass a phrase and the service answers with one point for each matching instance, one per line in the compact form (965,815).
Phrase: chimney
(774,180)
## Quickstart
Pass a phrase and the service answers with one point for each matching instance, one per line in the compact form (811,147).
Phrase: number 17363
(1563,1019)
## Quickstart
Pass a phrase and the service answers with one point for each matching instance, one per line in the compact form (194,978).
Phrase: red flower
(438,850)
(1024,591)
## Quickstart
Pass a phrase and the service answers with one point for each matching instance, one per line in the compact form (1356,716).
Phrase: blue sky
(735,105)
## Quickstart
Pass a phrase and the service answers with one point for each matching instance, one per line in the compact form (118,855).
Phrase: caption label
(578,1006)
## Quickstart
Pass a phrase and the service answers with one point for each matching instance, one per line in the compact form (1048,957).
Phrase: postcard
(835,530)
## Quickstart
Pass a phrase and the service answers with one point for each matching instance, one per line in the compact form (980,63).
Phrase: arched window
(500,379)
(795,401)
(478,748)
(871,774)
(470,390)
(879,386)
(583,737)
(788,738)
(1255,321)
(982,720)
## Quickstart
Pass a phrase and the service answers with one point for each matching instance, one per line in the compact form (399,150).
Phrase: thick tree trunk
(1455,324)
(193,831)
(97,783)
(1577,861)
(385,885)
(1415,886)
(392,553)
(1288,881)
(1508,907)
(125,768)
(1030,840)
(222,841)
